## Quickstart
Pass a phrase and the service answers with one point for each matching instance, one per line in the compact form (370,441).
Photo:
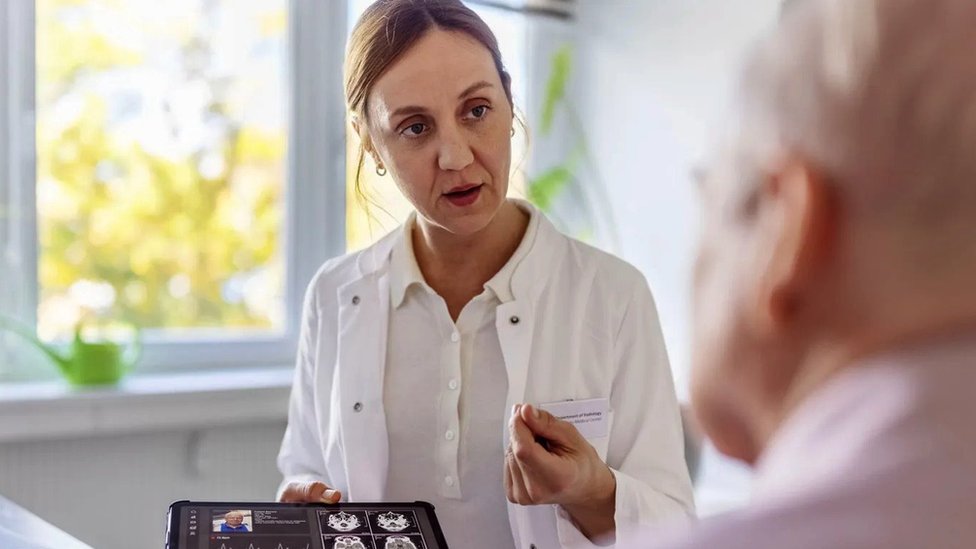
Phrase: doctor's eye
(414,130)
(478,112)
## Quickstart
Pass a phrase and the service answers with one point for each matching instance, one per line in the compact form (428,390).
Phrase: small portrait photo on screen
(233,520)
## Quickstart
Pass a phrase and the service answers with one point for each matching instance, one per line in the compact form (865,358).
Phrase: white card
(589,416)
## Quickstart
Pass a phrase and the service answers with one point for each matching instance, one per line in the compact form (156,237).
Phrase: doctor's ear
(359,126)
(362,131)
(356,126)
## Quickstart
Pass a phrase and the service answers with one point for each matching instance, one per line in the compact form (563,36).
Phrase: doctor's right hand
(309,492)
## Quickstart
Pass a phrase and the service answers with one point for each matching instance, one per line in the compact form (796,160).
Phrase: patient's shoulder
(858,517)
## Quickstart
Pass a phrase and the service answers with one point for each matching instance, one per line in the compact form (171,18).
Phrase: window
(164,167)
(182,166)
(161,163)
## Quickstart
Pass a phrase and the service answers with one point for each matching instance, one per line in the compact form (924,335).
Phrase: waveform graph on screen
(270,542)
(279,546)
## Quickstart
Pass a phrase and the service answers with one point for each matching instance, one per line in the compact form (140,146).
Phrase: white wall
(653,79)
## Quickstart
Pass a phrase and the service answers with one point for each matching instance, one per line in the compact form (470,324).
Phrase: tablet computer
(240,525)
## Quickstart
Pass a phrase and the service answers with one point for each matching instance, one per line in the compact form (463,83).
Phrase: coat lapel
(516,320)
(361,362)
(517,326)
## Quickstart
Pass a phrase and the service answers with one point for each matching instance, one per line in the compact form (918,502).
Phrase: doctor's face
(440,122)
(234,519)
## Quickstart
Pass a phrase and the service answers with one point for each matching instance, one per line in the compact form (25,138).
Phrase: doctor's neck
(451,261)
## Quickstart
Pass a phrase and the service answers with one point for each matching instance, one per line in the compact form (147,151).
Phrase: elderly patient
(835,287)
(233,522)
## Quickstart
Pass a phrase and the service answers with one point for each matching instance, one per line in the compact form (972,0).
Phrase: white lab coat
(582,325)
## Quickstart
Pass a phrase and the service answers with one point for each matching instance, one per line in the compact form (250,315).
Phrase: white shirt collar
(405,272)
(501,283)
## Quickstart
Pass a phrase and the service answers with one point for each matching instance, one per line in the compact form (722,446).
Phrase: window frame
(314,220)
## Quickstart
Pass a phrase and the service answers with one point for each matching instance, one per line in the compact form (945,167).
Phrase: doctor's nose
(455,153)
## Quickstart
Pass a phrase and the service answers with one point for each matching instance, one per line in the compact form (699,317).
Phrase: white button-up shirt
(444,393)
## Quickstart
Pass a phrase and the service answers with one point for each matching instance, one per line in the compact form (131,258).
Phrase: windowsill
(53,410)
(199,400)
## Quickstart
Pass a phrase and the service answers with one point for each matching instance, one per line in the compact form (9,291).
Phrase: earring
(380,170)
(513,131)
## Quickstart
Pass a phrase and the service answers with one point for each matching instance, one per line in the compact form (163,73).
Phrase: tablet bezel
(173,515)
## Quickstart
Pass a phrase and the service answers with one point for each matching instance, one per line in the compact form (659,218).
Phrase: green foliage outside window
(160,170)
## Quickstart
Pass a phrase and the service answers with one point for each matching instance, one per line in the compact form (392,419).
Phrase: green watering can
(84,362)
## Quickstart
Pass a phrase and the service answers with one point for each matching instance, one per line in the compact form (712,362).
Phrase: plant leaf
(545,188)
(562,62)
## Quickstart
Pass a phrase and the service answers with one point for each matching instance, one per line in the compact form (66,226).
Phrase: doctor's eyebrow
(475,87)
(407,111)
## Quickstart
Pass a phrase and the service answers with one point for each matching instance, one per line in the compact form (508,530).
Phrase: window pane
(380,206)
(161,143)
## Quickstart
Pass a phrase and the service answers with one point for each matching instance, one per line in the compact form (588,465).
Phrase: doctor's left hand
(549,462)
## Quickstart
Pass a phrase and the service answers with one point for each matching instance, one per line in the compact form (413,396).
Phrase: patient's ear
(796,217)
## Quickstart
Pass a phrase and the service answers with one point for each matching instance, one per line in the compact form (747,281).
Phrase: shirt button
(449,481)
(357,407)
(355,300)
(455,337)
(452,385)
(449,435)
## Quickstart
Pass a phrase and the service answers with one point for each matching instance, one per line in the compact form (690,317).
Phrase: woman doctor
(416,353)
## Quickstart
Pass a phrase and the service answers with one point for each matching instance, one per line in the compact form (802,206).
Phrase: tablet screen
(287,526)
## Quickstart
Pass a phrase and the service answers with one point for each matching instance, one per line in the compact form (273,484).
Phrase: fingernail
(329,496)
(536,413)
(515,409)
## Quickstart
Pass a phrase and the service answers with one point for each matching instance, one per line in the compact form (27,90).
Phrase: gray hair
(880,94)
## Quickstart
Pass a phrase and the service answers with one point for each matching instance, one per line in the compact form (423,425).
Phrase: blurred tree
(160,200)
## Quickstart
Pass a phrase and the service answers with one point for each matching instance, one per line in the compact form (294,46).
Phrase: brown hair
(388,28)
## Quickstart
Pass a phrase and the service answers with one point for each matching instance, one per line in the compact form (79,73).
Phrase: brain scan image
(348,542)
(344,522)
(399,542)
(392,522)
